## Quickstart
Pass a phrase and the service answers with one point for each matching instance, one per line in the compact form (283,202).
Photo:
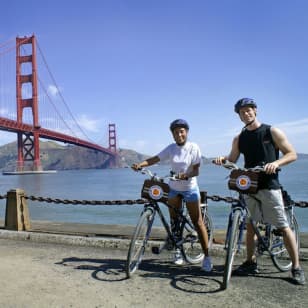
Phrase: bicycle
(155,190)
(269,239)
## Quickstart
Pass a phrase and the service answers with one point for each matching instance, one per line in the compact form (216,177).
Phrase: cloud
(91,125)
(297,127)
(4,111)
(53,90)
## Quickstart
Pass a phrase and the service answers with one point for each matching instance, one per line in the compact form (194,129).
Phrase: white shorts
(267,206)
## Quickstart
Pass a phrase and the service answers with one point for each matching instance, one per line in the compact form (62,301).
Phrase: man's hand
(136,166)
(219,160)
(271,168)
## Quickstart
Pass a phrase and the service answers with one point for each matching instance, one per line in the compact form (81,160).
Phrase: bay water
(125,184)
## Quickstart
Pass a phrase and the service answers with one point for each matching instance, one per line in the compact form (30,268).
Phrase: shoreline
(112,236)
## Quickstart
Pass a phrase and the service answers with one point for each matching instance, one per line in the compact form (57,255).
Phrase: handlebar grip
(223,161)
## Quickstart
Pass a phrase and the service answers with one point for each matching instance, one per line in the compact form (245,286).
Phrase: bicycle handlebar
(230,165)
(172,176)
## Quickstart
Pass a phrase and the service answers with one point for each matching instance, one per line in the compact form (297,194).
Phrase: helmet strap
(251,122)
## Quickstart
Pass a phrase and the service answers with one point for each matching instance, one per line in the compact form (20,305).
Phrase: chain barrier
(302,204)
(216,198)
(86,202)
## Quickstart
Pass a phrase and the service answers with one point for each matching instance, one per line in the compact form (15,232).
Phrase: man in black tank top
(258,148)
(261,144)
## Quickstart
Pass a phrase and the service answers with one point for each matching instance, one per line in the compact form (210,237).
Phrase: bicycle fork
(241,228)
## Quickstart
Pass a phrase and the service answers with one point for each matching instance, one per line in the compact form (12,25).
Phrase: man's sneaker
(207,265)
(298,276)
(178,258)
(247,268)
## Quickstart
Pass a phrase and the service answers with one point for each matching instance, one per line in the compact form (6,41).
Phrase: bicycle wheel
(280,255)
(231,247)
(192,249)
(138,243)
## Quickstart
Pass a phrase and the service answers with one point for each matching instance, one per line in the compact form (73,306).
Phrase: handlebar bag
(154,190)
(244,181)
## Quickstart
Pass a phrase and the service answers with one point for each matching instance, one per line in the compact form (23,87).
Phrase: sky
(140,64)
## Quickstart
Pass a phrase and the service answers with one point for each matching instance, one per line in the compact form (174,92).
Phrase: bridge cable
(63,100)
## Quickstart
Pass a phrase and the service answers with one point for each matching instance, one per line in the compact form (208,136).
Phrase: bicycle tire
(138,242)
(192,250)
(280,257)
(231,248)
(209,227)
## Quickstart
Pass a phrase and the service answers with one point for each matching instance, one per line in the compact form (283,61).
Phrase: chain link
(302,204)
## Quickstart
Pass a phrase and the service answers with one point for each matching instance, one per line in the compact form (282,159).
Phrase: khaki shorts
(267,206)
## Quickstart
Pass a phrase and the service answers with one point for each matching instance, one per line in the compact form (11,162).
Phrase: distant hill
(59,157)
(302,156)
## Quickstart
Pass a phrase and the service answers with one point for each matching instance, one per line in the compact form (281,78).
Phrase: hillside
(58,157)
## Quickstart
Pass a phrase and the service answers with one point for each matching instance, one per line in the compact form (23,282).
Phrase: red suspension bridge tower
(28,144)
(113,144)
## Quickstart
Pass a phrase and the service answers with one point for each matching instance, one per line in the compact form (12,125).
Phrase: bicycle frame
(263,241)
(271,242)
(182,219)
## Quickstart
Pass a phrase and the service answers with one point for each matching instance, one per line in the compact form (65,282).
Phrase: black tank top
(258,148)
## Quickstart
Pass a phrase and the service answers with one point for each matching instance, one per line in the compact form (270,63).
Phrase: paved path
(43,268)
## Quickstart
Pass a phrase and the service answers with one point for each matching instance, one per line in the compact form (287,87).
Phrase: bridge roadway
(80,265)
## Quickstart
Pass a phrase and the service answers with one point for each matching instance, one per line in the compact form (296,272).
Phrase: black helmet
(179,123)
(244,102)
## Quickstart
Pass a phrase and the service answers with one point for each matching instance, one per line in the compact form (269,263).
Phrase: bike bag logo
(244,181)
(155,190)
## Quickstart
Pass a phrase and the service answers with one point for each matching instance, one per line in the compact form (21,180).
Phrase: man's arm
(285,147)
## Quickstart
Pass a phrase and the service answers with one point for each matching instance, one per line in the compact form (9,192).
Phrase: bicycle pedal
(155,250)
(169,246)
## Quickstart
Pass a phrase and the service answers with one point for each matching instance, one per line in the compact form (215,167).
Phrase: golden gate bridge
(31,109)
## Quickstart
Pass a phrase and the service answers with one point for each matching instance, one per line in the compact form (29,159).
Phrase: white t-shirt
(182,158)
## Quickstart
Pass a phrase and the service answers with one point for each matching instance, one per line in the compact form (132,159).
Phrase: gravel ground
(54,275)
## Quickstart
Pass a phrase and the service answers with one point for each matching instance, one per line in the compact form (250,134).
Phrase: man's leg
(250,265)
(250,243)
(290,243)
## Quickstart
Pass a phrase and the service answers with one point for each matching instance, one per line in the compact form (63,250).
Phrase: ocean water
(125,184)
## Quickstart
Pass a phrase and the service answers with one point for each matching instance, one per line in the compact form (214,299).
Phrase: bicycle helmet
(244,102)
(179,123)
